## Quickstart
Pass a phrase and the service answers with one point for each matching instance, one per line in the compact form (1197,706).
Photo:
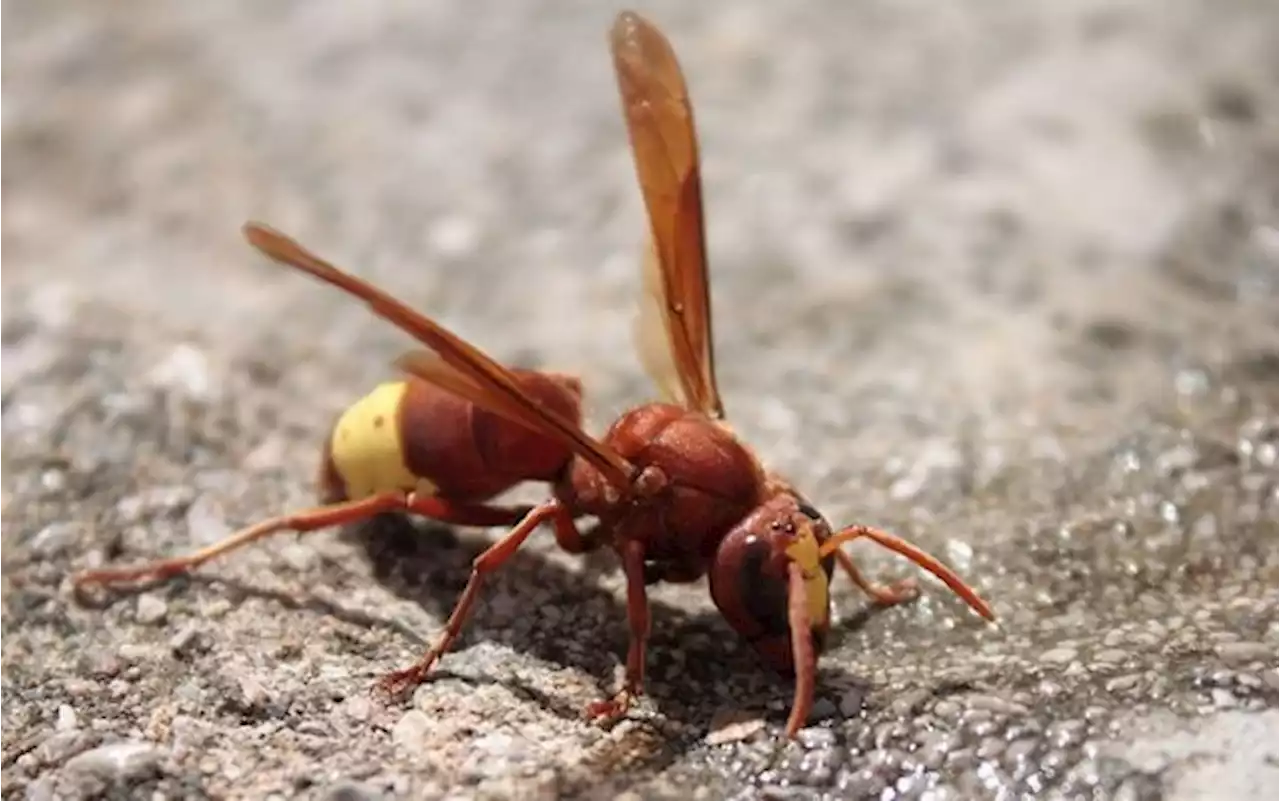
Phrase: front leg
(638,623)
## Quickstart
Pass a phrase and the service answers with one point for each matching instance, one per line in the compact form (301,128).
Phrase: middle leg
(486,563)
(638,624)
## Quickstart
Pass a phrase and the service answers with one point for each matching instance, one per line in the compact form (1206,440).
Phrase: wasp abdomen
(366,453)
(414,436)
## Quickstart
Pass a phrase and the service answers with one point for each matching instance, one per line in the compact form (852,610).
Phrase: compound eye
(820,523)
(807,510)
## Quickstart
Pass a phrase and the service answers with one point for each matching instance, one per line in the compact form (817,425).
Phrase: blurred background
(1001,277)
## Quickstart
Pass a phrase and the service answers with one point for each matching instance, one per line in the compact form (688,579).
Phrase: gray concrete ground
(998,276)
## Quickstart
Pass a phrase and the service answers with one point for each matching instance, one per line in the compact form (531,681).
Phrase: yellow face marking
(366,446)
(804,552)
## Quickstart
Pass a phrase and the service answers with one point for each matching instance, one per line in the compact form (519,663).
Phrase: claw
(608,711)
(399,683)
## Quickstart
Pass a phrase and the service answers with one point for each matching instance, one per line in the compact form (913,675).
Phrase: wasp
(676,494)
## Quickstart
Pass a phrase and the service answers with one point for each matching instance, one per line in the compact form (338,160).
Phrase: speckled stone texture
(1000,277)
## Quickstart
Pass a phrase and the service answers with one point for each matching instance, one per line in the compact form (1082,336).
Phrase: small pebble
(216,608)
(190,640)
(906,703)
(1020,751)
(1066,733)
(851,702)
(997,705)
(54,538)
(961,758)
(102,664)
(1055,760)
(118,762)
(410,732)
(58,748)
(1111,656)
(43,789)
(990,748)
(865,783)
(151,609)
(135,508)
(934,748)
(358,708)
(252,694)
(1115,637)
(53,480)
(189,691)
(206,521)
(1248,682)
(78,688)
(454,235)
(1238,653)
(823,709)
(1058,656)
(946,709)
(814,738)
(67,719)
(494,755)
(133,652)
(185,369)
(1049,689)
(313,728)
(733,725)
(351,791)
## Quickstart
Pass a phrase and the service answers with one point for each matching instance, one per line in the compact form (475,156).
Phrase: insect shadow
(691,653)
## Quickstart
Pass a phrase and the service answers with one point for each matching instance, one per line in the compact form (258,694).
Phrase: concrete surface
(998,276)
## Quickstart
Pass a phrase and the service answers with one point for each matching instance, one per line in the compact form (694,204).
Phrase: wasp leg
(478,515)
(924,560)
(886,595)
(491,560)
(301,522)
(572,540)
(638,623)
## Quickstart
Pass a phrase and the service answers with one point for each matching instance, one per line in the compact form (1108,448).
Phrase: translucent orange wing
(655,102)
(652,335)
(461,367)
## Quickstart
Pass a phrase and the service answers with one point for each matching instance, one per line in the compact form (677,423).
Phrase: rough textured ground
(998,276)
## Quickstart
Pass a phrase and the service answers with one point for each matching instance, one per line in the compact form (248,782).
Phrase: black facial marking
(765,597)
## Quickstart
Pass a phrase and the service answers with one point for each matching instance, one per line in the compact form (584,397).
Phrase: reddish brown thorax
(693,481)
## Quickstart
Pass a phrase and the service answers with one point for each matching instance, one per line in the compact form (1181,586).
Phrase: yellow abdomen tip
(367,446)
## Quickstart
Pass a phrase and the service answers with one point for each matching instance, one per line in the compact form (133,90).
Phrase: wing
(659,119)
(433,369)
(652,335)
(461,367)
